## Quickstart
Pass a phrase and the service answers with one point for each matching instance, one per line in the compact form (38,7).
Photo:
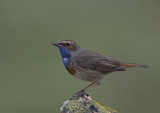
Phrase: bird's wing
(93,61)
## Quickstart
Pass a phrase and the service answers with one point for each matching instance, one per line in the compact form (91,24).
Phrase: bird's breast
(66,62)
(71,68)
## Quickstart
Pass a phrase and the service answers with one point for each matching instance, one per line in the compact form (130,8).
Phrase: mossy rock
(85,104)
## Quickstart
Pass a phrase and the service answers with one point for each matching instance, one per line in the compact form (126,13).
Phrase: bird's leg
(91,86)
(82,92)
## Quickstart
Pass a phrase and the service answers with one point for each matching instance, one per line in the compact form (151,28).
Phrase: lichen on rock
(84,104)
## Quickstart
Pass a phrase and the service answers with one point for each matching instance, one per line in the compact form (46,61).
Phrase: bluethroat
(87,65)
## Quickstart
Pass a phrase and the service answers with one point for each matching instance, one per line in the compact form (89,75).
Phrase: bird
(88,65)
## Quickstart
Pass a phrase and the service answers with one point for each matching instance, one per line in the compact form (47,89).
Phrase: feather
(93,61)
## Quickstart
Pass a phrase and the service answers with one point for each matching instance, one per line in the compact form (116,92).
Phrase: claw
(79,94)
(81,91)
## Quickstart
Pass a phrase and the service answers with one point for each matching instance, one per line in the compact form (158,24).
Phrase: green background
(32,76)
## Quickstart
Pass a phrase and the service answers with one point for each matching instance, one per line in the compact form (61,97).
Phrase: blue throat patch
(65,53)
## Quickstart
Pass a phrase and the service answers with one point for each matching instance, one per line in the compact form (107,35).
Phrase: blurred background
(32,76)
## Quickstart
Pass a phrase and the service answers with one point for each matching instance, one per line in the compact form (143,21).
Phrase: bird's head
(67,44)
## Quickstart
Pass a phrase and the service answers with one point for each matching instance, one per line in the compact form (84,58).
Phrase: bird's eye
(67,44)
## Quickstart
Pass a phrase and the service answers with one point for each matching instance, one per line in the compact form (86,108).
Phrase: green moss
(104,109)
(86,106)
(75,107)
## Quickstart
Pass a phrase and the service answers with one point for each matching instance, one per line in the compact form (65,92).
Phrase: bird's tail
(127,65)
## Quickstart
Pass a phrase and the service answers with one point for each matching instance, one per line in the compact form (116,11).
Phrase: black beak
(55,44)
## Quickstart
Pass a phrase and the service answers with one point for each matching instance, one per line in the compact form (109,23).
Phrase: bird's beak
(56,44)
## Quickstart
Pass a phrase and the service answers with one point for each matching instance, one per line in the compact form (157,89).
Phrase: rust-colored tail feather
(127,65)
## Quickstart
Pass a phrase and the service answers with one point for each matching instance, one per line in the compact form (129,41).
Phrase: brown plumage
(88,65)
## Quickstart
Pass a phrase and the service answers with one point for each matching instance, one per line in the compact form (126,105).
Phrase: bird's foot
(79,94)
(81,91)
